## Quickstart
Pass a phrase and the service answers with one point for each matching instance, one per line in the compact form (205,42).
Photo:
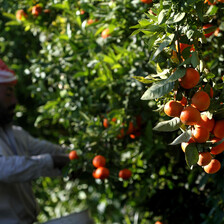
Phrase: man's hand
(60,160)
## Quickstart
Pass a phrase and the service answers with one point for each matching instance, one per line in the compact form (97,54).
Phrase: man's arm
(22,168)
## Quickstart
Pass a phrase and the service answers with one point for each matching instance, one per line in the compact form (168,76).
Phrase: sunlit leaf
(184,137)
(157,90)
(168,126)
(176,18)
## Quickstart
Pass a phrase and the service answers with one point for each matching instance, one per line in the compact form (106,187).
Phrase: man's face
(7,103)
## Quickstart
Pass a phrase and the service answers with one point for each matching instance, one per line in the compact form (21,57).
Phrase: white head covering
(7,76)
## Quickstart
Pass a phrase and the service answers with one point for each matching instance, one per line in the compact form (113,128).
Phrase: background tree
(86,67)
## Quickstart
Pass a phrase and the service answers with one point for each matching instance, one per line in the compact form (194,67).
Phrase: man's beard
(6,114)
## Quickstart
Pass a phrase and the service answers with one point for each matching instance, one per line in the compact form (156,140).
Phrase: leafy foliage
(75,78)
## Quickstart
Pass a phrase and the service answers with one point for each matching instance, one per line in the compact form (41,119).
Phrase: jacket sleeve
(23,168)
(35,146)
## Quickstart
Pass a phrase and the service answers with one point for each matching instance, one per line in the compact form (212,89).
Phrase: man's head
(7,94)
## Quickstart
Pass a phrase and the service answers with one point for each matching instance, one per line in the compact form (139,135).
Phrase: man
(22,159)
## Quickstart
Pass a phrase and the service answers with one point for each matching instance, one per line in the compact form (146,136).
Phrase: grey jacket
(22,159)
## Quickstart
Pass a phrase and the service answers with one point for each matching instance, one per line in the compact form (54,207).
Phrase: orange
(217,149)
(105,33)
(20,14)
(90,21)
(101,173)
(216,33)
(132,136)
(206,27)
(105,123)
(146,1)
(200,100)
(218,130)
(200,134)
(221,1)
(47,10)
(190,115)
(185,144)
(190,79)
(114,119)
(204,158)
(73,155)
(213,167)
(206,122)
(211,91)
(173,108)
(36,10)
(99,161)
(125,174)
(183,46)
(82,11)
(158,222)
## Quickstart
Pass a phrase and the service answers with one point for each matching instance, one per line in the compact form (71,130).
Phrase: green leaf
(13,23)
(152,41)
(135,26)
(194,59)
(63,37)
(199,10)
(144,22)
(219,115)
(79,21)
(179,73)
(99,30)
(176,18)
(154,28)
(190,33)
(184,137)
(153,17)
(135,32)
(108,59)
(9,15)
(84,116)
(143,79)
(168,126)
(186,62)
(61,6)
(162,16)
(164,44)
(157,90)
(218,143)
(191,155)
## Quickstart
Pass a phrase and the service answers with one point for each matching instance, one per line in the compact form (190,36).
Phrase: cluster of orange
(101,172)
(203,128)
(190,111)
(35,10)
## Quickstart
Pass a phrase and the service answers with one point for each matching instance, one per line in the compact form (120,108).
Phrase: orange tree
(186,38)
(79,60)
